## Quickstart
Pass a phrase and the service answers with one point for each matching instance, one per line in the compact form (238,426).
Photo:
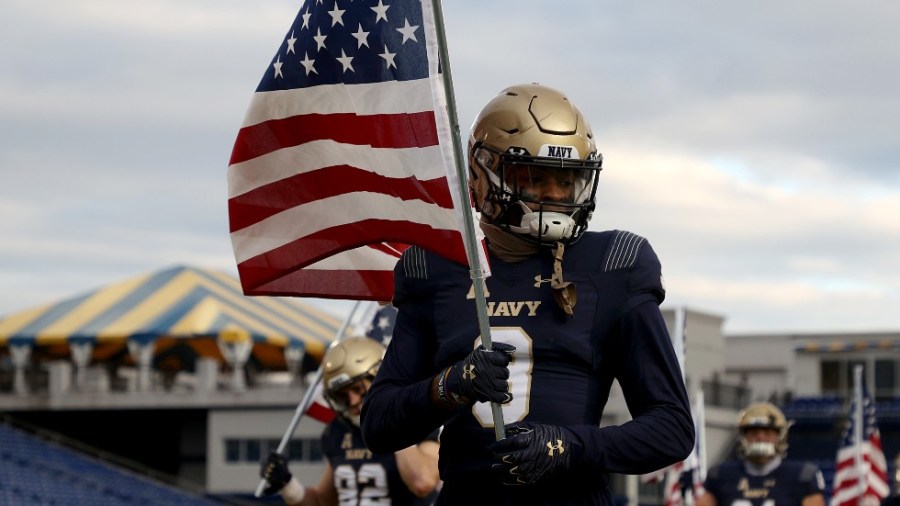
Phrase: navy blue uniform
(561,373)
(361,477)
(786,485)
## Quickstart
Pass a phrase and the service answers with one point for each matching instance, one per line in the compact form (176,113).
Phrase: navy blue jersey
(786,485)
(561,373)
(361,477)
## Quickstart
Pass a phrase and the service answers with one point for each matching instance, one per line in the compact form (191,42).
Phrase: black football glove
(480,377)
(531,451)
(275,471)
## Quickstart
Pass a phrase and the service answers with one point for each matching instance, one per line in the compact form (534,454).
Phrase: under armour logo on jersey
(469,372)
(558,448)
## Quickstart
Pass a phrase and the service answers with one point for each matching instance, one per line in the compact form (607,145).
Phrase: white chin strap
(548,226)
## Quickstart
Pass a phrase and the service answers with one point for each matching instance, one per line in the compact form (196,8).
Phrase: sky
(756,145)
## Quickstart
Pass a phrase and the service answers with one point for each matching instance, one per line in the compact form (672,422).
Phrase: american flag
(345,156)
(381,327)
(860,476)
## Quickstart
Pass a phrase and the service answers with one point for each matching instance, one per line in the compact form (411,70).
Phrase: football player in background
(570,311)
(894,498)
(762,477)
(353,475)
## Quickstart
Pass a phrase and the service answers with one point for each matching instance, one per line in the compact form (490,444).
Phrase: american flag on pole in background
(345,156)
(861,471)
(381,328)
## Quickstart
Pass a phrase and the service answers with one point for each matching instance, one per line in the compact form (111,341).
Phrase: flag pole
(700,403)
(857,414)
(475,269)
(307,399)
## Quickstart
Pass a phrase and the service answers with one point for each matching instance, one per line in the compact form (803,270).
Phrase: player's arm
(418,467)
(707,499)
(814,482)
(412,396)
(814,500)
(398,411)
(661,431)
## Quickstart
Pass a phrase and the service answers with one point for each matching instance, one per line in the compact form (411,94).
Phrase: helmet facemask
(540,198)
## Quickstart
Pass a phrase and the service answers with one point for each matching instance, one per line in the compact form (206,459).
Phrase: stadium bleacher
(34,471)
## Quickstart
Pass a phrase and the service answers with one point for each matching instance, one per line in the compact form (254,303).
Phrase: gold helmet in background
(533,128)
(345,362)
(762,415)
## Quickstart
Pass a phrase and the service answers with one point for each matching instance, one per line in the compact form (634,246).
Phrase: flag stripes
(346,146)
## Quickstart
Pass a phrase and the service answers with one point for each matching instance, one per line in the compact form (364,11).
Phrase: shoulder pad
(622,251)
(415,264)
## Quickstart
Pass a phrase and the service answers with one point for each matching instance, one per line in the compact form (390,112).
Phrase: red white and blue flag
(345,156)
(860,476)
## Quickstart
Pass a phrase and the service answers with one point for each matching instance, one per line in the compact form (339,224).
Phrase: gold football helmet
(762,415)
(525,136)
(346,362)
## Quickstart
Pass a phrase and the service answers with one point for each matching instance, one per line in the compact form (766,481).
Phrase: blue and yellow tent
(182,310)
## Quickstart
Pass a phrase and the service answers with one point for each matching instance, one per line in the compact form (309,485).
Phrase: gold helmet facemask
(527,137)
(762,415)
(345,363)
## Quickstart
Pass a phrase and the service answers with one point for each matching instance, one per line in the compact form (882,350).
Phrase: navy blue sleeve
(398,411)
(811,480)
(661,431)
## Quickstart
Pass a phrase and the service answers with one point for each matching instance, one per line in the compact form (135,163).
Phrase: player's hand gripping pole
(307,399)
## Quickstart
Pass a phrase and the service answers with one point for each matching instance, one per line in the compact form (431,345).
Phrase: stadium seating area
(34,471)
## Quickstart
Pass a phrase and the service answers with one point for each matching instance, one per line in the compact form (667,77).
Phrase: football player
(354,476)
(763,477)
(570,311)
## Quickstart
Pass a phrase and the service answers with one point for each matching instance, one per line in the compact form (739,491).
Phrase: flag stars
(320,39)
(277,66)
(290,42)
(409,32)
(308,64)
(388,57)
(346,61)
(361,37)
(337,15)
(306,16)
(380,11)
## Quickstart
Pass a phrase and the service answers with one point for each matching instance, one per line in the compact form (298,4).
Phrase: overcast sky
(755,144)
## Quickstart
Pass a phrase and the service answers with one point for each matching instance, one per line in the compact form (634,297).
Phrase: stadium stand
(34,471)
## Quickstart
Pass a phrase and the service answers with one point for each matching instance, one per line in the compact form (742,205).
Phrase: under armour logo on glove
(558,447)
(531,451)
(480,377)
